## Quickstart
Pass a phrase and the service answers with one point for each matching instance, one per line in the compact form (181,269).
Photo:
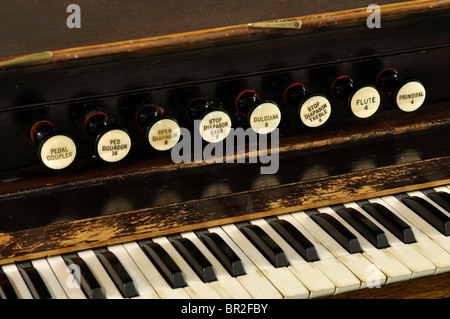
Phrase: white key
(390,266)
(405,253)
(226,286)
(143,287)
(357,263)
(342,278)
(109,288)
(17,281)
(196,288)
(424,244)
(49,278)
(258,286)
(442,189)
(281,278)
(65,277)
(313,279)
(162,288)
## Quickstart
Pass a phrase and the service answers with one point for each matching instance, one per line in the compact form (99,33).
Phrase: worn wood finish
(218,210)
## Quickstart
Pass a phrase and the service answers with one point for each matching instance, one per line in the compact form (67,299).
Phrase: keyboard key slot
(441,198)
(34,281)
(85,277)
(365,227)
(164,263)
(265,245)
(295,239)
(6,289)
(227,257)
(118,274)
(392,222)
(195,259)
(339,233)
(429,213)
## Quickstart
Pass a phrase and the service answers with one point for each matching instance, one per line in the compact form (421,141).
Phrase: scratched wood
(216,210)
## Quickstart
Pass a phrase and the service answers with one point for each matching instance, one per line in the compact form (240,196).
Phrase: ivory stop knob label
(365,102)
(58,151)
(410,96)
(113,145)
(265,118)
(164,134)
(215,126)
(315,111)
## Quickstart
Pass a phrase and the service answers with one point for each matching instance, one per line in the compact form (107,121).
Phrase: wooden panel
(32,26)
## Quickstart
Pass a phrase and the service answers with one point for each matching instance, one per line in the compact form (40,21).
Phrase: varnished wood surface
(214,29)
(32,26)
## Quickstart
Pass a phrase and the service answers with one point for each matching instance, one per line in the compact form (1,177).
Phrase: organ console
(358,204)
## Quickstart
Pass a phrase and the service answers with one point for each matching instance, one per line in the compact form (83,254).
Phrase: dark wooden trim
(242,32)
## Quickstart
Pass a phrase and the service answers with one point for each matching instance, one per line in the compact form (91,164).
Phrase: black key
(441,198)
(392,222)
(118,274)
(195,259)
(336,230)
(226,256)
(84,277)
(6,289)
(34,281)
(295,239)
(265,245)
(164,263)
(429,213)
(365,227)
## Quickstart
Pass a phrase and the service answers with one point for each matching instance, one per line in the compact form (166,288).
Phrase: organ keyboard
(130,195)
(306,254)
